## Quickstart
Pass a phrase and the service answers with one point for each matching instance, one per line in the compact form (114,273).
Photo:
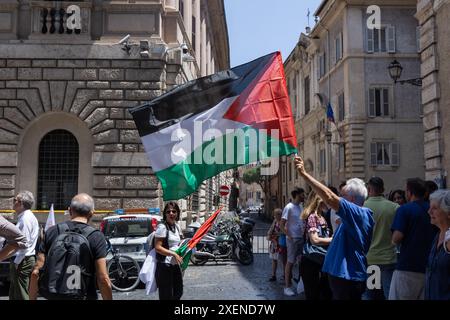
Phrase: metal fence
(260,243)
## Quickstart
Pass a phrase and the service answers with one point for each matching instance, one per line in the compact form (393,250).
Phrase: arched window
(58,170)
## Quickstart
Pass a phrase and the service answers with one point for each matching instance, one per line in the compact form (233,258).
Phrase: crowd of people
(354,243)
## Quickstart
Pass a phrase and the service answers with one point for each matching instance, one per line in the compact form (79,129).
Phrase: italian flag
(216,123)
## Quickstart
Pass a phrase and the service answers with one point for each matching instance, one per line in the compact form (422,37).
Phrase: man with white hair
(23,263)
(345,261)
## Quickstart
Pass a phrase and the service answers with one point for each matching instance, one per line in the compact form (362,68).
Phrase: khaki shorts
(294,249)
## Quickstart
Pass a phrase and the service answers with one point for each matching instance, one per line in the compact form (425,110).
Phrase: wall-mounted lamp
(395,72)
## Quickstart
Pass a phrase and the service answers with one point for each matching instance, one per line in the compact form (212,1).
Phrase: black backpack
(68,270)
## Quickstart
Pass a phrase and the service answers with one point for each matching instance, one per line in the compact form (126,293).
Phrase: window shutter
(373,154)
(370,40)
(371,102)
(391,39)
(395,148)
(341,107)
(322,65)
(385,102)
(338,44)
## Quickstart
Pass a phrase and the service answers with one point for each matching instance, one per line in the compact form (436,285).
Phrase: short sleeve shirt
(291,213)
(346,255)
(174,240)
(412,219)
(97,243)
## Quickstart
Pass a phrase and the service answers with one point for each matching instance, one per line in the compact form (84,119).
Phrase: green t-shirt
(381,251)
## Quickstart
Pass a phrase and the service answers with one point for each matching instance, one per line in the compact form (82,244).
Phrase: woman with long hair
(317,239)
(169,277)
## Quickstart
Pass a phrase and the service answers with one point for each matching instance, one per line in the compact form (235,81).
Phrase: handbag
(147,273)
(282,240)
(314,252)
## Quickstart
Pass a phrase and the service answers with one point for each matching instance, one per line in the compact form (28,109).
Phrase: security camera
(185,48)
(144,54)
(125,39)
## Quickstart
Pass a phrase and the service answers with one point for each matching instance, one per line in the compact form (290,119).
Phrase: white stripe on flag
(160,145)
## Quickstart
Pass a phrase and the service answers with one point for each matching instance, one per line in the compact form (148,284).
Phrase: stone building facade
(433,17)
(378,129)
(77,85)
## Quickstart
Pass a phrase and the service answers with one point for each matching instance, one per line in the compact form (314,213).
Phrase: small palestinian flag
(215,123)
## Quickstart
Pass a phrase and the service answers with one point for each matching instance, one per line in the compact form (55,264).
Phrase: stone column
(433,151)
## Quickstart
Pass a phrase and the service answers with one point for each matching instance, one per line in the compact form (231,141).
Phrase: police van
(128,232)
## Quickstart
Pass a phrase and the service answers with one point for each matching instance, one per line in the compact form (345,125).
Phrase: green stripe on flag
(183,178)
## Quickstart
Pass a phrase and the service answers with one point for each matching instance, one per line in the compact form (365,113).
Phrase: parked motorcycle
(227,240)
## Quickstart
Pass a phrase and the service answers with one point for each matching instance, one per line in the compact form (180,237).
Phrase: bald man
(81,210)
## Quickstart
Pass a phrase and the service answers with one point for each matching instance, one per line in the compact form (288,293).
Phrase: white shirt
(174,240)
(294,225)
(28,224)
(335,220)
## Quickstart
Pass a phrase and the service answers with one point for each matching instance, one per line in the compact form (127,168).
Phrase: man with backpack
(71,257)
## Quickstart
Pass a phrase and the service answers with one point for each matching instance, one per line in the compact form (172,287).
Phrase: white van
(128,233)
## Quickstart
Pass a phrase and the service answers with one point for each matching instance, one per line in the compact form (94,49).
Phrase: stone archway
(27,171)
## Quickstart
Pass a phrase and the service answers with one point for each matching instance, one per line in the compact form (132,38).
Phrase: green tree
(253,175)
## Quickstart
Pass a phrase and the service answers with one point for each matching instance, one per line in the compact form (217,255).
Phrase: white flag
(50,219)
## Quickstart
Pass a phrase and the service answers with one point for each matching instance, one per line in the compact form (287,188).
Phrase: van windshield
(128,227)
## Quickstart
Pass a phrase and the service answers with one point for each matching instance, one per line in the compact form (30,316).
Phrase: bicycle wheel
(124,273)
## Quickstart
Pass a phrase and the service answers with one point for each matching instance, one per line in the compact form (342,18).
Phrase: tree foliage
(253,175)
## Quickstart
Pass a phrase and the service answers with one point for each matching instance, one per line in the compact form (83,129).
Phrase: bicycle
(123,270)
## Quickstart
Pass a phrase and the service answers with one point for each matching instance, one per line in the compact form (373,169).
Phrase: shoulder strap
(62,227)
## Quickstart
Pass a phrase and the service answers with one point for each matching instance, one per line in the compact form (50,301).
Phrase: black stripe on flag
(196,96)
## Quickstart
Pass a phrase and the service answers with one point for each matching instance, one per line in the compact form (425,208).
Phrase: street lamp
(395,71)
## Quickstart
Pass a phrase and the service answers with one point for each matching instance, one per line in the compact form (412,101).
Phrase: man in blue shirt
(413,231)
(345,261)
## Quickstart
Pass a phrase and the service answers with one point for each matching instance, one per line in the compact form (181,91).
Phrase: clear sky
(259,27)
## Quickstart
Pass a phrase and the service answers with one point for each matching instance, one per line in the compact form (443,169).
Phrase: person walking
(23,263)
(317,235)
(382,252)
(273,235)
(293,228)
(169,277)
(414,233)
(345,261)
(437,277)
(66,249)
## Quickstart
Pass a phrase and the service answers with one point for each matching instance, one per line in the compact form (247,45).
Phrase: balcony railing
(50,18)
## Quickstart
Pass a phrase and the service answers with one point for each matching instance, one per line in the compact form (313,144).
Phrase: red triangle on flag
(265,103)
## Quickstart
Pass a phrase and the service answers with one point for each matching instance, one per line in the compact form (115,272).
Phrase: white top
(28,224)
(174,240)
(335,220)
(294,225)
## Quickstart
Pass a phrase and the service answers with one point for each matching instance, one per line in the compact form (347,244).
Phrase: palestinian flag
(185,249)
(216,123)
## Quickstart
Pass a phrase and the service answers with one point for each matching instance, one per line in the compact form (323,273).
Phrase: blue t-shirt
(346,255)
(412,219)
(437,283)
